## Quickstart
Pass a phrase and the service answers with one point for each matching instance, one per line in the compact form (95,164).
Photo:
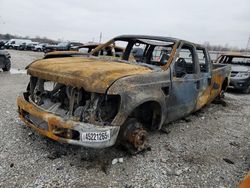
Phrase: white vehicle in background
(15,43)
(39,47)
(31,45)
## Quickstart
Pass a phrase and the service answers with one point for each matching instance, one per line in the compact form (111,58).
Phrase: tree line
(209,46)
(35,39)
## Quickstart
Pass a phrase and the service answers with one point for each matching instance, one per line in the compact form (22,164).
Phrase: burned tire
(247,90)
(7,66)
(133,136)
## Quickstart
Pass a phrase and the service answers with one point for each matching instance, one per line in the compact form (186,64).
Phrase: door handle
(197,84)
(209,80)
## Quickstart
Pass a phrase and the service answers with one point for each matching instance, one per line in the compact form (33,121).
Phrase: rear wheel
(7,66)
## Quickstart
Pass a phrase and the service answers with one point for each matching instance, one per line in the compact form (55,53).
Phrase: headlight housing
(243,74)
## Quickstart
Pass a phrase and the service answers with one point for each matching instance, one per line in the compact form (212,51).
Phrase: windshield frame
(128,39)
(228,59)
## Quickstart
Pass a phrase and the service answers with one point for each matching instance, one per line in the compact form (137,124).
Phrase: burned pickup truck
(97,101)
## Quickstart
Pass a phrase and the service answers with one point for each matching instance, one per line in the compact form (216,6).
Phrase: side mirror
(180,67)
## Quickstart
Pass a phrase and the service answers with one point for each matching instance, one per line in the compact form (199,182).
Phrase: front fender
(136,90)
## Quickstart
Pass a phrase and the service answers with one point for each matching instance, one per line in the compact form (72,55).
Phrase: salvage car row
(27,44)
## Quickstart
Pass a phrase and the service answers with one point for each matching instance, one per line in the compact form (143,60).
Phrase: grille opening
(73,102)
(66,133)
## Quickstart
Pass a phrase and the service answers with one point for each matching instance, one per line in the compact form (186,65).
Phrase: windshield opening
(136,51)
(236,60)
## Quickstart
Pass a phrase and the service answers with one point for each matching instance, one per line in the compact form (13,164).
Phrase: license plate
(96,136)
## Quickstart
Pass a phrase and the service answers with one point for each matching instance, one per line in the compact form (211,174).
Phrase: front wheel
(7,66)
(134,136)
(247,90)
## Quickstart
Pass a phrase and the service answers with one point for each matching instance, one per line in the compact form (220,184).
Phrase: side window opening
(161,54)
(203,60)
(185,63)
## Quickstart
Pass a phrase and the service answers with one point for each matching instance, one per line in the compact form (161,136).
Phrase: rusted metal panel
(245,183)
(54,122)
(91,74)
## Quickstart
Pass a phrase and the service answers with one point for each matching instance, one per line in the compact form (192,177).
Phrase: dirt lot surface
(207,149)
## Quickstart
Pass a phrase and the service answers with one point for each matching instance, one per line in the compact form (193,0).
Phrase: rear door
(205,76)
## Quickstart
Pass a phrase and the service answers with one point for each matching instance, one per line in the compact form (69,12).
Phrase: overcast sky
(217,21)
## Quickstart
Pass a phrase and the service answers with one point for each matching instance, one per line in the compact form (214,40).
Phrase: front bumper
(47,125)
(239,83)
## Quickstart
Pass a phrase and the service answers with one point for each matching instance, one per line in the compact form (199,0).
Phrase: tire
(7,66)
(247,90)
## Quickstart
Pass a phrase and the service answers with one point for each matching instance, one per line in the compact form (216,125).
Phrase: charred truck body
(97,100)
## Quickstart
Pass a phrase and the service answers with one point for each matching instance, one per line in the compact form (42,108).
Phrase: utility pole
(100,40)
(248,44)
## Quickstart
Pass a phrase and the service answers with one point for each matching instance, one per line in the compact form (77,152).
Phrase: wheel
(133,136)
(39,49)
(247,90)
(7,66)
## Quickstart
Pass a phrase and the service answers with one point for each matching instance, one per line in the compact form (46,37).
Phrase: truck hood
(240,68)
(93,74)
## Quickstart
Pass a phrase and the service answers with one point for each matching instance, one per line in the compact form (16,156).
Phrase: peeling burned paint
(91,74)
(93,99)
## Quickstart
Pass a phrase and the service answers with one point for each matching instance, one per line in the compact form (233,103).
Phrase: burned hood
(240,68)
(93,74)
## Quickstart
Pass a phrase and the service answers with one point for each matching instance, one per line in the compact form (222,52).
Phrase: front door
(186,83)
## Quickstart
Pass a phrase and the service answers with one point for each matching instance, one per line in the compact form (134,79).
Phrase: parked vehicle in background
(85,50)
(39,47)
(240,75)
(27,46)
(75,45)
(61,54)
(31,45)
(16,43)
(22,46)
(5,63)
(2,43)
(10,44)
(63,46)
(96,100)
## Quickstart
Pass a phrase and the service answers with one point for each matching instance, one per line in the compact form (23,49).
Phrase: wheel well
(149,114)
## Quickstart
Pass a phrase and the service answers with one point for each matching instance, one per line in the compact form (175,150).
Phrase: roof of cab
(236,54)
(151,37)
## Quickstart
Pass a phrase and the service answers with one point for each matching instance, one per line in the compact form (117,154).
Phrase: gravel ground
(207,149)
